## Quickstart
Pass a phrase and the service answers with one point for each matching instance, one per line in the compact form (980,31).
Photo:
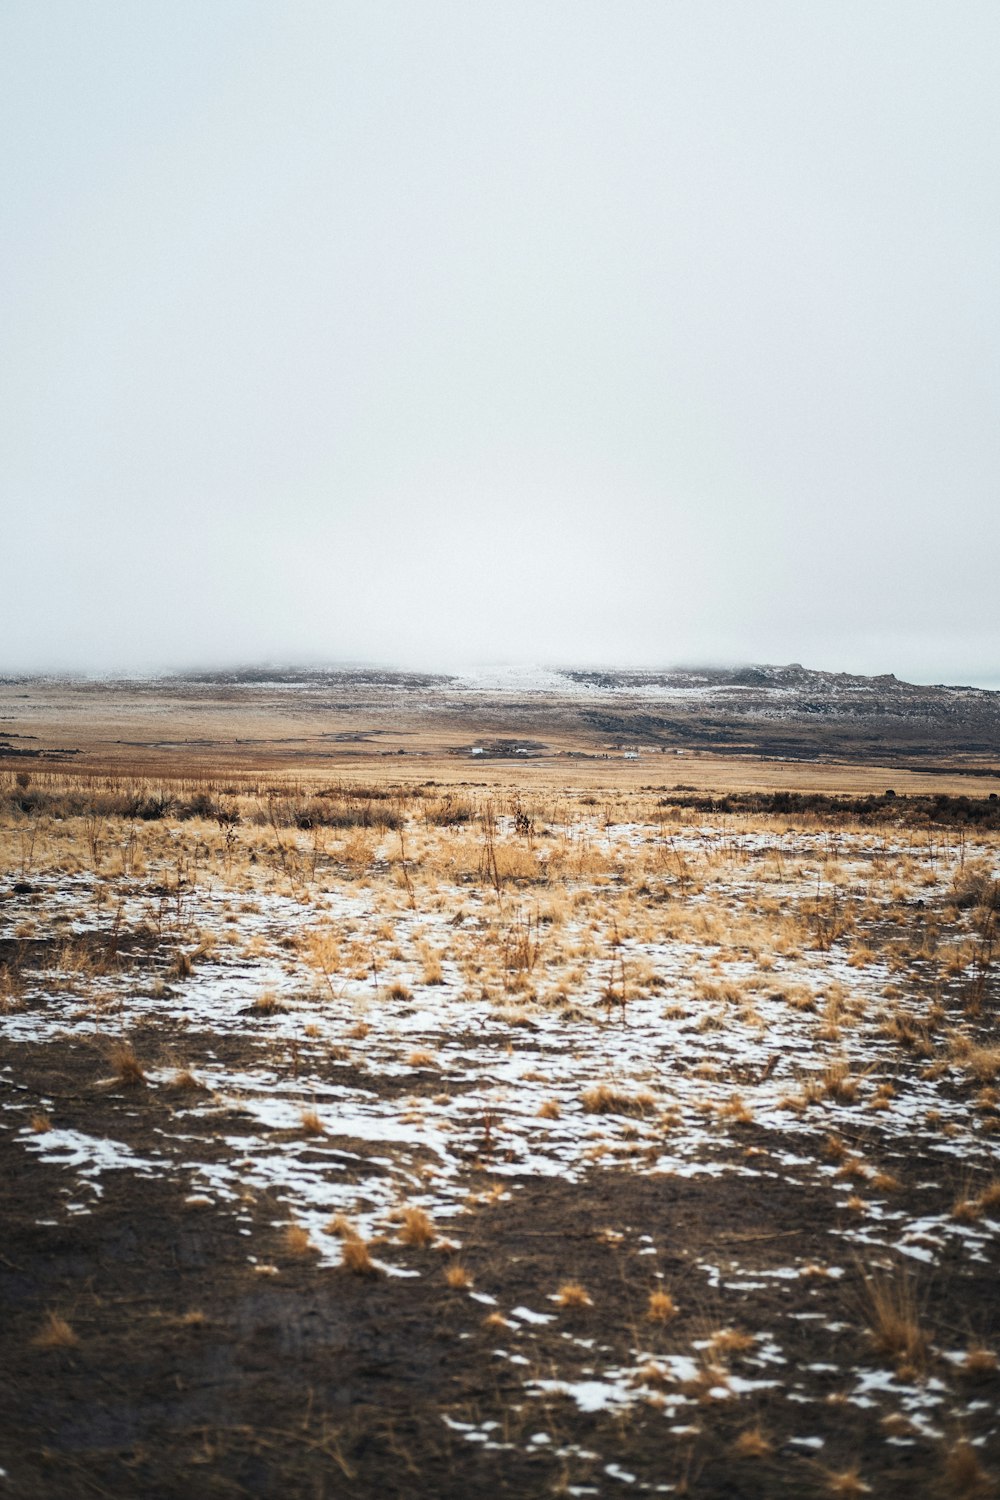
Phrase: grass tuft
(297,1241)
(753,1444)
(572,1294)
(979,1363)
(418,1229)
(127,1067)
(893,1318)
(661,1307)
(55,1333)
(847,1484)
(964,1474)
(356,1258)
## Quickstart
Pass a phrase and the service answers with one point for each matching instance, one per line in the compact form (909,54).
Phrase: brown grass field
(441,1125)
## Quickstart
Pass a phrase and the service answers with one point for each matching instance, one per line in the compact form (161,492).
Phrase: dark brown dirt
(319,1382)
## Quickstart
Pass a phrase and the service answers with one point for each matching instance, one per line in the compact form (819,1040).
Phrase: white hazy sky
(500,329)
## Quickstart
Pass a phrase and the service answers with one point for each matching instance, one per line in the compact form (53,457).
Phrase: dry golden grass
(341,1226)
(55,1333)
(607,1099)
(964,1474)
(572,1294)
(417,1228)
(894,1320)
(267,1004)
(432,972)
(846,1484)
(736,1110)
(311,1122)
(753,1444)
(356,1258)
(839,1085)
(457,1277)
(731,1341)
(981,1062)
(979,1362)
(296,1241)
(549,1110)
(39,1122)
(661,1307)
(127,1068)
(990,1195)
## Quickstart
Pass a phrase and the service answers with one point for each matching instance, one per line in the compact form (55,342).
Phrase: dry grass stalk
(894,1319)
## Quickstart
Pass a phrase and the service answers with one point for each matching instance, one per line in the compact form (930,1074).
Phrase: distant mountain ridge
(791,678)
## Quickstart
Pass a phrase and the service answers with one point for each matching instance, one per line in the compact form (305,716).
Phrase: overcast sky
(426,333)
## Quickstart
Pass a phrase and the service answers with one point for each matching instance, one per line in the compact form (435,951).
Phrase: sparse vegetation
(573,1044)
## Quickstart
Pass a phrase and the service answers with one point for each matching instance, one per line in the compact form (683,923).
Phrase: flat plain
(422,1090)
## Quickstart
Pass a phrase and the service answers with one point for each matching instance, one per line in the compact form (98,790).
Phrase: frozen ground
(772,1133)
